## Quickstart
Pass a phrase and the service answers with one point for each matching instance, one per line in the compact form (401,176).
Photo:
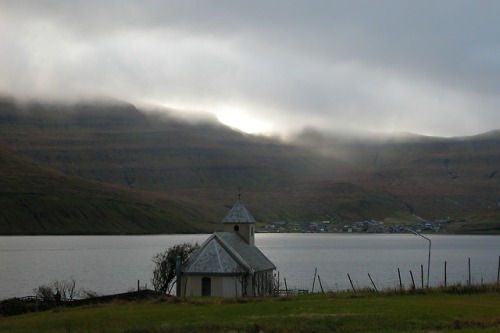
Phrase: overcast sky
(428,67)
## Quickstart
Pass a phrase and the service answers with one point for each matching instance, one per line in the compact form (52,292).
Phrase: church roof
(227,253)
(238,214)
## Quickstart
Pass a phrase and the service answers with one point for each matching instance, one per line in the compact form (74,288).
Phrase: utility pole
(429,258)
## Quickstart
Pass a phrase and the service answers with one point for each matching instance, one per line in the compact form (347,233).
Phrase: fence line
(468,280)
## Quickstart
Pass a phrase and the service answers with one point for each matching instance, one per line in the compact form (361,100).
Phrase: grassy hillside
(432,177)
(201,166)
(37,200)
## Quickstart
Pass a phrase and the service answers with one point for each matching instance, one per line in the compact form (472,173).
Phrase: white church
(228,264)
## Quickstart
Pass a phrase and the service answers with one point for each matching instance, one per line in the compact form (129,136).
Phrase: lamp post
(429,258)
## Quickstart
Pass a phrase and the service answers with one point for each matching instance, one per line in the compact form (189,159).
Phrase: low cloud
(419,66)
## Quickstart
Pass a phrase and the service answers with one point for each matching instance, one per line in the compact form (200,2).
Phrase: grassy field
(456,310)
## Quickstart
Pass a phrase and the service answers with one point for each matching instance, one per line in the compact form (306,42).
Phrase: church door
(206,286)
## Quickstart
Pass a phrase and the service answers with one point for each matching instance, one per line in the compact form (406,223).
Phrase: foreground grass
(345,312)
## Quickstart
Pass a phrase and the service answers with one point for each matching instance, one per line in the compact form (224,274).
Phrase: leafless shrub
(87,293)
(57,290)
(164,271)
(44,293)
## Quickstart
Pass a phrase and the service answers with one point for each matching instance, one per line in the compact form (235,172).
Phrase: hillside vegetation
(37,200)
(173,170)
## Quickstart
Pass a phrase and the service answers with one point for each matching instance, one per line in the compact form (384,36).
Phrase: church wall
(221,286)
(231,286)
(261,284)
(247,230)
(191,286)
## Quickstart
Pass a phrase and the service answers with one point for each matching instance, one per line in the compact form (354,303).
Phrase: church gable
(227,253)
(213,258)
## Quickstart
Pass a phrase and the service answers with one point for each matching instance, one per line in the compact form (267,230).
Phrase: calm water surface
(113,264)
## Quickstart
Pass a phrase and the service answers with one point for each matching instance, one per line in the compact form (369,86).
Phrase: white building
(228,264)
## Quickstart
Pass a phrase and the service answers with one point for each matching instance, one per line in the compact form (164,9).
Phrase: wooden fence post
(498,272)
(314,279)
(374,286)
(445,274)
(352,285)
(422,275)
(321,285)
(412,281)
(400,283)
(469,282)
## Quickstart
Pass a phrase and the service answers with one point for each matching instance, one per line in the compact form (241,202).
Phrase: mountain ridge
(203,164)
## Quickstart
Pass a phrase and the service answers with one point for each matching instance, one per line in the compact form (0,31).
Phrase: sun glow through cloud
(243,122)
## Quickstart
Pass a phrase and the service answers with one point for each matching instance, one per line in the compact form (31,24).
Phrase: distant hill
(433,177)
(198,167)
(38,200)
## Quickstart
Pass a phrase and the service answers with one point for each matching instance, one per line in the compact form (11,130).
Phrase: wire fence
(399,279)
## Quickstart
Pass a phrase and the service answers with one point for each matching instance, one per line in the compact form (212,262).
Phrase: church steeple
(239,220)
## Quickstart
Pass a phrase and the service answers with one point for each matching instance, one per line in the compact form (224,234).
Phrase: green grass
(457,310)
(401,218)
(484,223)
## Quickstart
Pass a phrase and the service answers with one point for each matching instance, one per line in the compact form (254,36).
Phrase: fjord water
(114,264)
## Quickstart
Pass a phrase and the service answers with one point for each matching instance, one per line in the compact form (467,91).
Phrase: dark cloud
(431,67)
